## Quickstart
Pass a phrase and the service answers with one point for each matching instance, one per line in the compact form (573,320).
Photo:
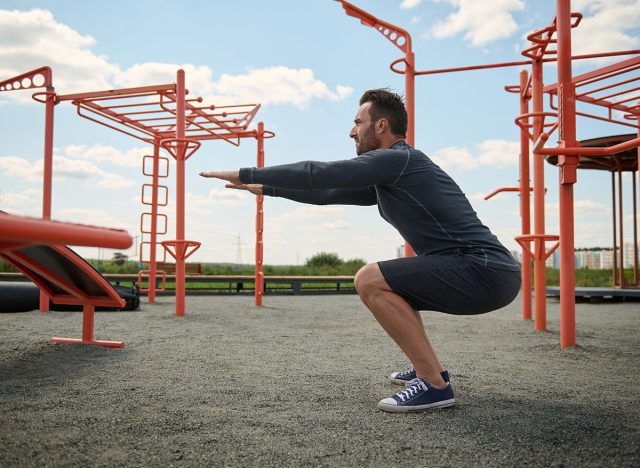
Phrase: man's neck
(390,141)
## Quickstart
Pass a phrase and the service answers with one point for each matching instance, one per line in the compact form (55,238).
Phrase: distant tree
(324,259)
(120,258)
(352,265)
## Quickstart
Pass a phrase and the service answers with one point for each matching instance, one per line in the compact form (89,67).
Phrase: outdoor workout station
(168,119)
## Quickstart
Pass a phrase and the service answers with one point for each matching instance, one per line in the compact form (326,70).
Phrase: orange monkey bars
(163,116)
(549,44)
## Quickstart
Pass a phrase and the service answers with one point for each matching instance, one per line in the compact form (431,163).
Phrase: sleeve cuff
(269,191)
(246,175)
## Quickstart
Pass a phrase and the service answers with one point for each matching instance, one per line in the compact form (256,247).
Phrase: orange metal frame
(17,232)
(549,44)
(163,116)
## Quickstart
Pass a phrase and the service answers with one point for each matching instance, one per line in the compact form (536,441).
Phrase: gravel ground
(297,383)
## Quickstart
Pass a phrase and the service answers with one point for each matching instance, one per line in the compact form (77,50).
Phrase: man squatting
(460,267)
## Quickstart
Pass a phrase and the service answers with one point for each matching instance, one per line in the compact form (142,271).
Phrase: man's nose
(352,133)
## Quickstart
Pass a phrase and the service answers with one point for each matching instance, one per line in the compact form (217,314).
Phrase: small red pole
(87,322)
(525,199)
(409,87)
(539,268)
(621,229)
(47,171)
(259,281)
(614,209)
(180,160)
(568,170)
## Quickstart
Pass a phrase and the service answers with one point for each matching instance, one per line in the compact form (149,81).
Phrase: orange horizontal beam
(522,62)
(601,73)
(591,151)
(20,230)
(116,92)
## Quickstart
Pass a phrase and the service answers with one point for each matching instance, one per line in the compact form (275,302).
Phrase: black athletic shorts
(453,284)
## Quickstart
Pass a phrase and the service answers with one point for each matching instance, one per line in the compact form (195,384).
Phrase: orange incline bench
(35,247)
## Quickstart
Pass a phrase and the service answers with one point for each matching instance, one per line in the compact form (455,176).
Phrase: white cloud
(92,217)
(25,200)
(199,80)
(481,21)
(276,85)
(103,153)
(607,25)
(307,213)
(581,208)
(407,4)
(494,153)
(340,224)
(30,38)
(114,181)
(477,196)
(15,167)
(63,168)
(202,203)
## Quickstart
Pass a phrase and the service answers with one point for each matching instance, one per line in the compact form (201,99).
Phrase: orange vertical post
(153,241)
(47,171)
(87,322)
(621,228)
(636,176)
(525,198)
(539,268)
(615,229)
(259,281)
(409,90)
(568,170)
(180,161)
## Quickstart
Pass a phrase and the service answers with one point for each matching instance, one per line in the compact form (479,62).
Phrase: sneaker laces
(412,382)
(407,370)
(416,387)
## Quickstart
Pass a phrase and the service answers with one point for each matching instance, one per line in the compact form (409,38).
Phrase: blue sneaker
(409,373)
(419,396)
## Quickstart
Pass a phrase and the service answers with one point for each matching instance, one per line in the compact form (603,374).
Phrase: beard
(368,142)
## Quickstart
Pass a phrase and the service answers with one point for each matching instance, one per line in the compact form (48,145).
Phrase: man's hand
(230,176)
(256,189)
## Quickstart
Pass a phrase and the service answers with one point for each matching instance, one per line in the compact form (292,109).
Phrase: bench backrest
(63,275)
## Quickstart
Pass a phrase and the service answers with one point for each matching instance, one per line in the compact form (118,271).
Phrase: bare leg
(400,321)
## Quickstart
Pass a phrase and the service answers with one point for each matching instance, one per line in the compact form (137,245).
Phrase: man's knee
(367,279)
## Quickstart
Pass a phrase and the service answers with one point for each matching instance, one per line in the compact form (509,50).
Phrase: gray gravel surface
(297,383)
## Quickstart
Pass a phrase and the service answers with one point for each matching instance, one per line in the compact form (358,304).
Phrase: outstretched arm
(362,196)
(376,167)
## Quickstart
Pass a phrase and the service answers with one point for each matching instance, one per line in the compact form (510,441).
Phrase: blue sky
(308,63)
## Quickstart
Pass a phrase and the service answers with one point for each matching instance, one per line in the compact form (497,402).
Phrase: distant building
(628,255)
(594,260)
(517,255)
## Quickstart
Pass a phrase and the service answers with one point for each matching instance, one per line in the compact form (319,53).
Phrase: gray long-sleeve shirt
(412,193)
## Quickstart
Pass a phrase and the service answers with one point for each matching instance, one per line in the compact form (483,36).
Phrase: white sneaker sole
(398,381)
(412,409)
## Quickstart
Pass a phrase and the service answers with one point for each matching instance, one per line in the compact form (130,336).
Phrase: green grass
(587,278)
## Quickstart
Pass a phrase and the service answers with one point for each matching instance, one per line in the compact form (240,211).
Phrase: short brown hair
(389,105)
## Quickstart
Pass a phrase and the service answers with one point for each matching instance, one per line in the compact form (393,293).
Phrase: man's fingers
(230,176)
(255,189)
(224,175)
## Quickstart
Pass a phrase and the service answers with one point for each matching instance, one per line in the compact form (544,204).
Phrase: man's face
(363,131)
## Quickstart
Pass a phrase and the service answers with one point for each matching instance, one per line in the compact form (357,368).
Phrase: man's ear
(382,125)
